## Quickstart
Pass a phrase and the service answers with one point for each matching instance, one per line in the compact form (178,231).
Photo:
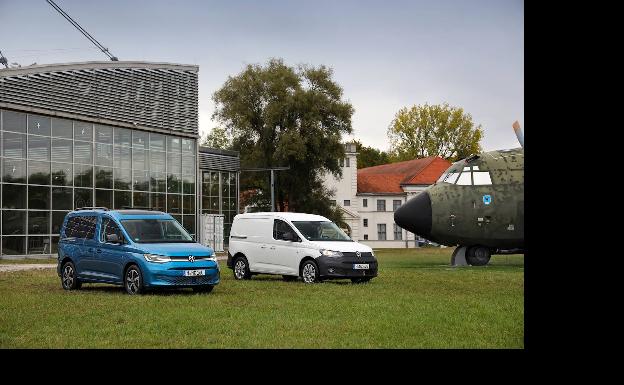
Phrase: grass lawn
(417,301)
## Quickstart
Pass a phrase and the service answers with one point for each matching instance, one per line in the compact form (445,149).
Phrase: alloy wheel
(239,269)
(133,281)
(68,276)
(309,273)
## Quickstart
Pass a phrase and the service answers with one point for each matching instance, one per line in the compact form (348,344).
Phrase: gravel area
(26,266)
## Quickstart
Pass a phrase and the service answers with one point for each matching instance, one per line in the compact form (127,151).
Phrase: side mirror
(112,238)
(288,237)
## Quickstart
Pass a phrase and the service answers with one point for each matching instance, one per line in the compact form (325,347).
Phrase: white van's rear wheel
(309,272)
(241,268)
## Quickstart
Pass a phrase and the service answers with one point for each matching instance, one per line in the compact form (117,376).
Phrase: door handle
(272,247)
(263,247)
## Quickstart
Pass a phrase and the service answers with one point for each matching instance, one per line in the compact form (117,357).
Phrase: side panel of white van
(248,236)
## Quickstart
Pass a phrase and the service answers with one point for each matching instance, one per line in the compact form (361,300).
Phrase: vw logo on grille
(191,258)
(358,254)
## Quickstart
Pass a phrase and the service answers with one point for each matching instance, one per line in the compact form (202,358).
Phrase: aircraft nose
(415,215)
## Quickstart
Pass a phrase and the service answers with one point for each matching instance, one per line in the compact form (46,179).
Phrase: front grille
(185,257)
(193,268)
(352,255)
(201,280)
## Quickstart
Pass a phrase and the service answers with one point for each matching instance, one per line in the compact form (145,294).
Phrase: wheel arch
(303,260)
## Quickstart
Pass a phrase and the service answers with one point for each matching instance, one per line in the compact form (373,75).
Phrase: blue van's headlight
(156,258)
(212,257)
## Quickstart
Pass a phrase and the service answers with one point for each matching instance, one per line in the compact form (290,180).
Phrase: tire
(133,280)
(203,289)
(478,255)
(68,277)
(360,279)
(310,272)
(289,278)
(241,268)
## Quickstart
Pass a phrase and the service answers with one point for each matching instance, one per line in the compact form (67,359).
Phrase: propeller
(518,131)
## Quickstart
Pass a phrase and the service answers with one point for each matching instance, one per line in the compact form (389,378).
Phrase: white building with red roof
(369,196)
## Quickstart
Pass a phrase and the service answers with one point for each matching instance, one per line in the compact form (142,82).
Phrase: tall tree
(217,138)
(287,116)
(370,156)
(436,130)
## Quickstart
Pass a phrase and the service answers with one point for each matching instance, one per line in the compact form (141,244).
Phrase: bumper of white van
(345,267)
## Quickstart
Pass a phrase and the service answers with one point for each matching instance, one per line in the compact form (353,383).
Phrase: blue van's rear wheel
(241,268)
(68,277)
(133,281)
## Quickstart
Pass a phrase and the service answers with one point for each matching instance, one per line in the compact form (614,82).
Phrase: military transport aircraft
(476,205)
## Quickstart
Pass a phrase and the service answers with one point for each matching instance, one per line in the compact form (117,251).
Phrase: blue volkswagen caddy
(139,249)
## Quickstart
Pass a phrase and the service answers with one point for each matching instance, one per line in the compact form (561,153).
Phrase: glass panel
(140,199)
(104,177)
(174,184)
(178,218)
(464,179)
(14,145)
(83,131)
(122,157)
(452,177)
(55,241)
(13,245)
(38,222)
(188,184)
(62,128)
(157,142)
(38,197)
(188,146)
(123,179)
(481,178)
(123,137)
(61,198)
(188,163)
(38,148)
(57,221)
(83,197)
(83,176)
(158,182)
(39,125)
(174,163)
(188,204)
(103,134)
(104,198)
(173,203)
(173,144)
(103,154)
(83,152)
(62,150)
(158,161)
(123,199)
(62,174)
(13,121)
(13,222)
(38,245)
(159,202)
(188,221)
(141,180)
(139,139)
(14,196)
(14,171)
(139,161)
(39,172)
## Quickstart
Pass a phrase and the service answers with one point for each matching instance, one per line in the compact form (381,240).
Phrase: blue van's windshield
(321,231)
(156,231)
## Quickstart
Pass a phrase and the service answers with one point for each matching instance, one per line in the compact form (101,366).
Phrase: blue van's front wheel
(133,281)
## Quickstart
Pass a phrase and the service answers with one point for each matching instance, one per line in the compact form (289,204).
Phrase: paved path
(36,266)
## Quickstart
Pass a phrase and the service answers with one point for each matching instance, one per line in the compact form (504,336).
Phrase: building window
(381,232)
(341,162)
(364,202)
(366,237)
(381,205)
(347,202)
(348,162)
(333,202)
(398,233)
(396,204)
(365,222)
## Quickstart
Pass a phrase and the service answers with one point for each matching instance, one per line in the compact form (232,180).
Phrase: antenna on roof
(4,60)
(82,30)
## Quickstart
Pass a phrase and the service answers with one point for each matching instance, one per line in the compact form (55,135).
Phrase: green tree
(436,130)
(287,116)
(370,156)
(217,138)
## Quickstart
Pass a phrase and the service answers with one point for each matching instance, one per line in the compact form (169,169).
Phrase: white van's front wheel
(309,272)
(241,269)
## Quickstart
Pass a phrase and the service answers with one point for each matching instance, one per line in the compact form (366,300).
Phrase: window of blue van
(81,227)
(110,227)
(156,231)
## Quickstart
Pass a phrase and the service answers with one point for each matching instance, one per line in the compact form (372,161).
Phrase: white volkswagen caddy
(296,245)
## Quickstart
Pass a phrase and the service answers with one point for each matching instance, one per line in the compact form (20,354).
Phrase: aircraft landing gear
(473,255)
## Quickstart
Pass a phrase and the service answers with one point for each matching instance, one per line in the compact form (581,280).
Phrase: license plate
(360,266)
(194,273)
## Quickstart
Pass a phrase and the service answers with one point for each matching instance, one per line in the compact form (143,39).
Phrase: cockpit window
(451,177)
(481,178)
(464,179)
(470,175)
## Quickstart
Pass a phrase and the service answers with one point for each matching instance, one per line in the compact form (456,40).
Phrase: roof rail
(139,208)
(91,208)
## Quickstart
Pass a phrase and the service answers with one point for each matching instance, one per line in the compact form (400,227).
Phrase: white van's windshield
(321,231)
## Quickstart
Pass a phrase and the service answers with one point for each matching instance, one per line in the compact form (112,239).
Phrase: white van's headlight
(156,258)
(331,253)
(372,252)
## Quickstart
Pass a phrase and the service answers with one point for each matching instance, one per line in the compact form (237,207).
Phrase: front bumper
(343,267)
(171,274)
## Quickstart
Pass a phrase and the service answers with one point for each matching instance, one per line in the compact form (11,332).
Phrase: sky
(385,54)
